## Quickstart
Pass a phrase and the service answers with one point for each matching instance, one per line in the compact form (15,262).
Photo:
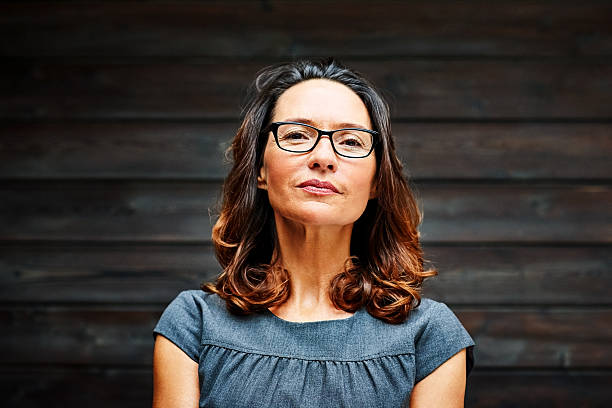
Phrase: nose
(323,155)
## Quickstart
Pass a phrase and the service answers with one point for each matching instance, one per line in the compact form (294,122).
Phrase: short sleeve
(181,323)
(443,337)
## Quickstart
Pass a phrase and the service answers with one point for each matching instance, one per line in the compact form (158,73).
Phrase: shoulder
(426,321)
(195,307)
(440,336)
(191,302)
(431,332)
(426,309)
(428,305)
(421,316)
(199,298)
(435,311)
(192,316)
(183,320)
(435,319)
(198,295)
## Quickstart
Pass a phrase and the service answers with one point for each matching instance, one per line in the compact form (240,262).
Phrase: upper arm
(444,387)
(175,376)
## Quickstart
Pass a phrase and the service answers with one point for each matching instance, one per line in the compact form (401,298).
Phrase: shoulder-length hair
(385,271)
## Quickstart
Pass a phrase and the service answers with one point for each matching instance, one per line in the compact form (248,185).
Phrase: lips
(315,185)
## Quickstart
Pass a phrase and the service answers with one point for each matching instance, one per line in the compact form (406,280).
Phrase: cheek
(274,173)
(367,179)
(365,188)
(361,179)
(278,173)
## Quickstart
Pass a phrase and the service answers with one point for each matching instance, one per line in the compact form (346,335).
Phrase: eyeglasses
(298,137)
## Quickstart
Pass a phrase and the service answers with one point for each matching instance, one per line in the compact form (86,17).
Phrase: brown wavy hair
(386,269)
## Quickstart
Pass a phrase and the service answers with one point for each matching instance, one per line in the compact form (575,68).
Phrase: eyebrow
(338,125)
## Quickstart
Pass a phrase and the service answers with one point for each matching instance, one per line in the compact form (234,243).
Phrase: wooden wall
(114,116)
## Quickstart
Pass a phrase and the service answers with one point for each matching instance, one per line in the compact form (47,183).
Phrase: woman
(318,303)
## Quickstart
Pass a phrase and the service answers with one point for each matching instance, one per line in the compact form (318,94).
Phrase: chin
(318,217)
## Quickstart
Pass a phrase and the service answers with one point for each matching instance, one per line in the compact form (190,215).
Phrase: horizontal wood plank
(179,211)
(161,150)
(541,337)
(520,275)
(32,387)
(506,337)
(86,336)
(76,387)
(209,89)
(515,213)
(272,28)
(150,211)
(505,151)
(66,273)
(119,273)
(142,150)
(536,389)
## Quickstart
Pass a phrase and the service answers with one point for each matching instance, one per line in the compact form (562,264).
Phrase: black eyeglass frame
(273,127)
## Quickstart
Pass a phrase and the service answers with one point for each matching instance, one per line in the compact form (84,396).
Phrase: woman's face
(291,178)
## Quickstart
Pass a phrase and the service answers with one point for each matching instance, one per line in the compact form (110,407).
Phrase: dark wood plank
(143,150)
(77,387)
(119,273)
(516,212)
(540,337)
(160,150)
(209,89)
(520,275)
(506,337)
(505,151)
(536,389)
(116,210)
(179,211)
(250,29)
(110,335)
(66,273)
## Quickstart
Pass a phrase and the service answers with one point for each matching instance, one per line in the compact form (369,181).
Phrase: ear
(261,179)
(373,192)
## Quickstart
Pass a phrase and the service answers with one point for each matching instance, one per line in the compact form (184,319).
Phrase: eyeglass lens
(300,138)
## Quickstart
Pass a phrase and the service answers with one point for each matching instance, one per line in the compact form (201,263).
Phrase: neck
(312,255)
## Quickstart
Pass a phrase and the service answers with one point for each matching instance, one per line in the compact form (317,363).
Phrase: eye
(352,142)
(352,139)
(295,135)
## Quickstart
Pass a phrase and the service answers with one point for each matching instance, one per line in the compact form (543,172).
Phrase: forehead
(322,101)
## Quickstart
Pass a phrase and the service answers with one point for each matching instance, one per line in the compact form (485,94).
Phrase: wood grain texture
(515,213)
(161,150)
(75,273)
(559,89)
(535,389)
(142,150)
(76,387)
(145,274)
(153,211)
(273,29)
(540,337)
(112,335)
(75,211)
(539,275)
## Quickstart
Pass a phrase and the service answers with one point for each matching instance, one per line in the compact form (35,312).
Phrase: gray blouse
(262,360)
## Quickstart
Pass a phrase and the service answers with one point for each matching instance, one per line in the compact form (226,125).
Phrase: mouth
(319,187)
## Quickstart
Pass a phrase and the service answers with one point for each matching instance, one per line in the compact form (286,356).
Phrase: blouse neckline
(315,322)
